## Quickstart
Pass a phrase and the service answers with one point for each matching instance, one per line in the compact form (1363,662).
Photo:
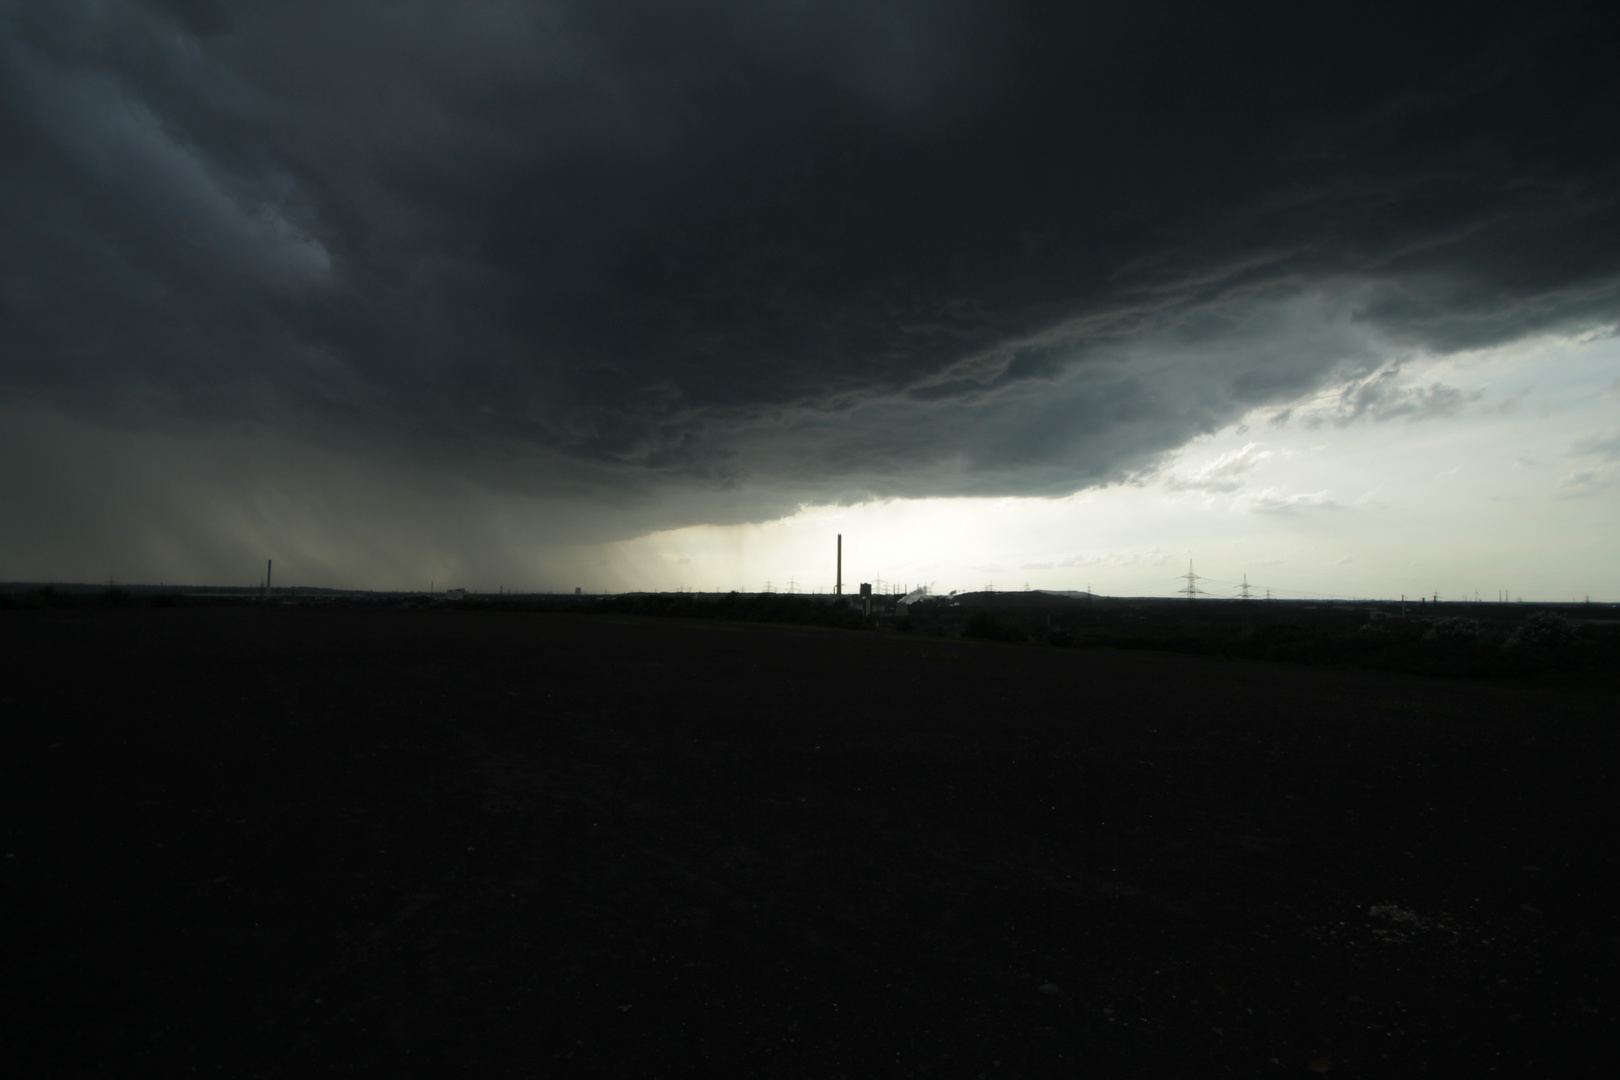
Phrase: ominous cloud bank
(656,263)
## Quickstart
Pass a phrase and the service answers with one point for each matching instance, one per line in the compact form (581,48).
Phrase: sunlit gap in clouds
(1479,471)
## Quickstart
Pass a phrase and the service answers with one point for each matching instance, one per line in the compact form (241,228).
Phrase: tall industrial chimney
(268,564)
(838,589)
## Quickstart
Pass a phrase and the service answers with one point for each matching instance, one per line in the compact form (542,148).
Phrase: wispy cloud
(1585,482)
(1510,404)
(1381,397)
(1146,557)
(1275,501)
(1605,447)
(1597,333)
(1589,481)
(1222,474)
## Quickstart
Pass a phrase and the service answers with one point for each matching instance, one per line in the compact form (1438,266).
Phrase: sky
(653,295)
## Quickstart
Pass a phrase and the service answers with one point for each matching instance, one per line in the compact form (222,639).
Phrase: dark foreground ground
(283,843)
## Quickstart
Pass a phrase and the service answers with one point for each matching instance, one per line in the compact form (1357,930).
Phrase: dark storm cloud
(788,250)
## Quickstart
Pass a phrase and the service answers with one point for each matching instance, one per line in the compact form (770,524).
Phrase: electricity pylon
(1191,589)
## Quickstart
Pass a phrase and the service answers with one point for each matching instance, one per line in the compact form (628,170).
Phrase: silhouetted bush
(1543,630)
(1453,629)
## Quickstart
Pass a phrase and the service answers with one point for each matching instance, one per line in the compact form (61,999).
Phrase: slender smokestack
(268,565)
(838,589)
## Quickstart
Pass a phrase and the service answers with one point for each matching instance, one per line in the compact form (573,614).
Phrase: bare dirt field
(278,843)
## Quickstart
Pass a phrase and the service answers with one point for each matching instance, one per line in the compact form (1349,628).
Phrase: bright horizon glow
(1472,473)
(1503,478)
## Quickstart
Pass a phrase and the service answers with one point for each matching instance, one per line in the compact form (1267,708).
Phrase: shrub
(1453,629)
(1543,630)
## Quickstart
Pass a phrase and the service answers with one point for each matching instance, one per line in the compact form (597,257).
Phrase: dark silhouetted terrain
(278,842)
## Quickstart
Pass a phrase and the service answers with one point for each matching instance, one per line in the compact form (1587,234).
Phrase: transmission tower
(1245,587)
(1191,589)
